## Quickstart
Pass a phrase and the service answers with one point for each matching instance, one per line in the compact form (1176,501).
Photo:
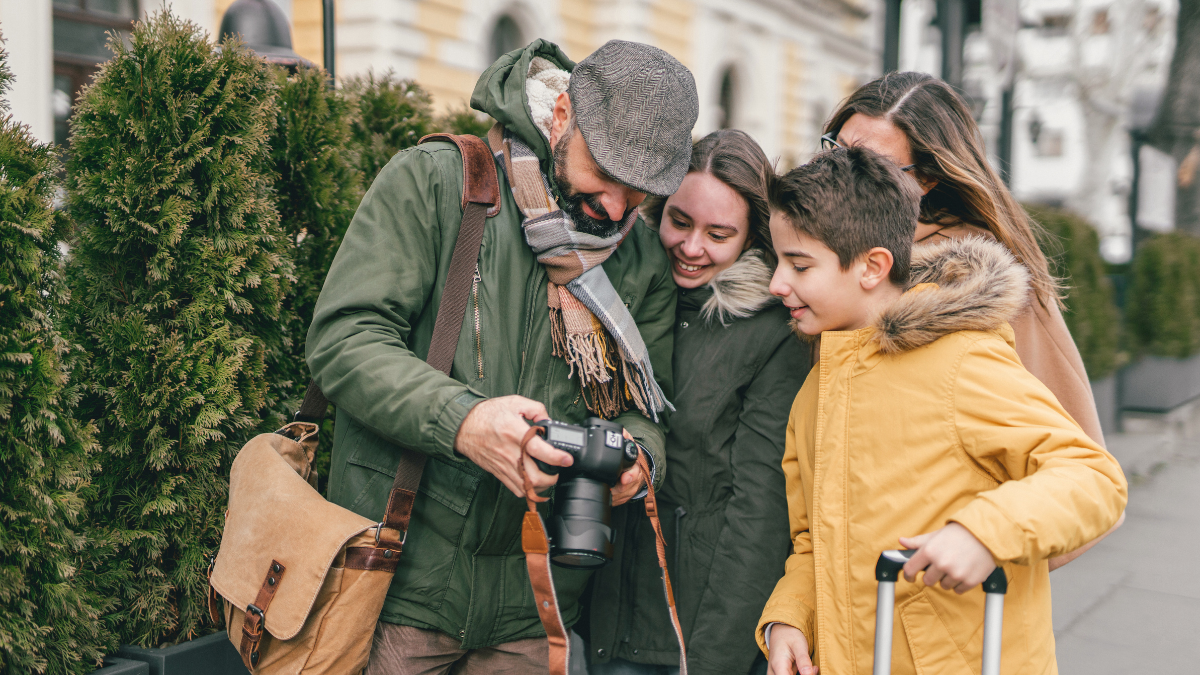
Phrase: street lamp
(264,29)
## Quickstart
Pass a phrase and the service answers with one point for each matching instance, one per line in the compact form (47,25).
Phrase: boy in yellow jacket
(918,426)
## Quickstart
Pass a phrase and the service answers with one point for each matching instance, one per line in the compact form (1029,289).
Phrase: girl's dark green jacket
(723,506)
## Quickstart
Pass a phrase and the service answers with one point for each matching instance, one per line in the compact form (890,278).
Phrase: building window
(1046,142)
(1056,25)
(81,30)
(506,36)
(727,100)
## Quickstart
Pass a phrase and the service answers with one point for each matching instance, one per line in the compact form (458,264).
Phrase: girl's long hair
(735,159)
(946,146)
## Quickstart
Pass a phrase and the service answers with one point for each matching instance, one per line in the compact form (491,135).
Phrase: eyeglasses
(829,142)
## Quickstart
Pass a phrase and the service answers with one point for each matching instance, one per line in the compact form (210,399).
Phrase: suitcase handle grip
(891,562)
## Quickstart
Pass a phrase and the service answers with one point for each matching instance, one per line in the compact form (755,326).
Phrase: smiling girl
(737,369)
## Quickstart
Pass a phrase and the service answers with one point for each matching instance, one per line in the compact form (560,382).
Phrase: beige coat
(926,418)
(1043,343)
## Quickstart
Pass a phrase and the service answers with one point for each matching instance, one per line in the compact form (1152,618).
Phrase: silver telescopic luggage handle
(887,571)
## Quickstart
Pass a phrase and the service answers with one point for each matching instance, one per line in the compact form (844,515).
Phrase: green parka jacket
(723,506)
(462,572)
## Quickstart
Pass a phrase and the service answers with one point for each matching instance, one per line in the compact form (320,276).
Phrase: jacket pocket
(433,549)
(934,650)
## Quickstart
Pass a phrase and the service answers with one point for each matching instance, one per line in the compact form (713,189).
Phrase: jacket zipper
(478,333)
(680,512)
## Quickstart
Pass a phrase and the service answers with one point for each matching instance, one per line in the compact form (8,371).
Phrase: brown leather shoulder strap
(480,200)
(481,197)
(480,182)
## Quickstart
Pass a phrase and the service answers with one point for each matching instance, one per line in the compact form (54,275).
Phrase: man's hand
(631,484)
(951,555)
(631,481)
(491,437)
(789,652)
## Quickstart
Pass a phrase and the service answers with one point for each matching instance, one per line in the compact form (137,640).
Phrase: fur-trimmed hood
(740,290)
(974,284)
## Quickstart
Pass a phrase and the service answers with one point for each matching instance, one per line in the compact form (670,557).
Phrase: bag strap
(480,200)
(536,546)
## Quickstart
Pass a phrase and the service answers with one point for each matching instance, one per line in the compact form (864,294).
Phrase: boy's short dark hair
(852,200)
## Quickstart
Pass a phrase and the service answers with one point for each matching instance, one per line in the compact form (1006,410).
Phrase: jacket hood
(501,93)
(740,290)
(970,283)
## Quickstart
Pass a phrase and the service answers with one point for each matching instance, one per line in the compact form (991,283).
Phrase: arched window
(728,98)
(506,36)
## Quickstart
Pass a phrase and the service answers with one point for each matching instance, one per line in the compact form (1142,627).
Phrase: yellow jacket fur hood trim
(962,284)
(925,418)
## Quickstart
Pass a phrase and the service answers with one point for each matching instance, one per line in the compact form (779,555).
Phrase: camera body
(580,529)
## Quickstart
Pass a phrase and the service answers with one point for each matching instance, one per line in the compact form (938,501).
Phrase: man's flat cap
(636,106)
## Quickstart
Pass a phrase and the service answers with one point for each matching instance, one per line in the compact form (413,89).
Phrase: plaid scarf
(591,328)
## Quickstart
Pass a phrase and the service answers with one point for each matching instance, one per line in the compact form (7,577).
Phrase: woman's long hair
(736,160)
(946,146)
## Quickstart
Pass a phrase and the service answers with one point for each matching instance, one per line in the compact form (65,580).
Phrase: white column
(29,42)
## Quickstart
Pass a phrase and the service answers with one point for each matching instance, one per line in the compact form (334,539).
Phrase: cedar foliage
(49,610)
(1163,308)
(464,120)
(1091,313)
(176,279)
(318,188)
(389,115)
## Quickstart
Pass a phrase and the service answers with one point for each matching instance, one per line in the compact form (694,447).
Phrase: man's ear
(561,119)
(878,266)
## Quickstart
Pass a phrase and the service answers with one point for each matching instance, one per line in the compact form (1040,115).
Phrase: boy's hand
(951,555)
(789,652)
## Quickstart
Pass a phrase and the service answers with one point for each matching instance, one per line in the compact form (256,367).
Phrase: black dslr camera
(581,528)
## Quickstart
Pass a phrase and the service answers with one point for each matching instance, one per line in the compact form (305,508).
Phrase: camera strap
(536,546)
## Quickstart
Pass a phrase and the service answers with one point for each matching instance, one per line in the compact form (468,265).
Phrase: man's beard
(572,202)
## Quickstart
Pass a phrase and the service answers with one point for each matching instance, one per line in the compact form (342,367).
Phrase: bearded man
(577,149)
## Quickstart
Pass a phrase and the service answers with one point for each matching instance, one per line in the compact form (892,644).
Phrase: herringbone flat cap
(636,106)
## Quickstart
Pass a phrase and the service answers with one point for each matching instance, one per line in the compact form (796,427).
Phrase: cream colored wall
(795,61)
(794,143)
(578,27)
(307,36)
(671,28)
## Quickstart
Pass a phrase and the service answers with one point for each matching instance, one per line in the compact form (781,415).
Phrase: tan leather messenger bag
(300,581)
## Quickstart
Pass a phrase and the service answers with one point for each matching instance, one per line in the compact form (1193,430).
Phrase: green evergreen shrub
(465,120)
(49,608)
(176,278)
(1073,248)
(1163,305)
(390,114)
(318,188)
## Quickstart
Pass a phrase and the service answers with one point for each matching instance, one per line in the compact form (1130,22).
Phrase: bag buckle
(379,530)
(253,609)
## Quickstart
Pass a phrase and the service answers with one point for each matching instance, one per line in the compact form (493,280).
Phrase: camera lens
(582,537)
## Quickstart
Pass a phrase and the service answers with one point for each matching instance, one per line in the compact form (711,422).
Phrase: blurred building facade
(775,68)
(1085,77)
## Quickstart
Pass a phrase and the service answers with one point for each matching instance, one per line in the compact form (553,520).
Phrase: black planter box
(1158,384)
(116,666)
(209,655)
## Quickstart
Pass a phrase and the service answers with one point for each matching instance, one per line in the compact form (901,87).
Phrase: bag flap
(274,514)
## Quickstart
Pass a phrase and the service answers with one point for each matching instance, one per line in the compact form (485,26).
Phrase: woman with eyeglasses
(923,125)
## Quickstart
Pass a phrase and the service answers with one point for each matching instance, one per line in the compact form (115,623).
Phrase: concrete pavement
(1132,603)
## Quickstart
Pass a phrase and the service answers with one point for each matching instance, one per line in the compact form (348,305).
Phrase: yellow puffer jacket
(929,417)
